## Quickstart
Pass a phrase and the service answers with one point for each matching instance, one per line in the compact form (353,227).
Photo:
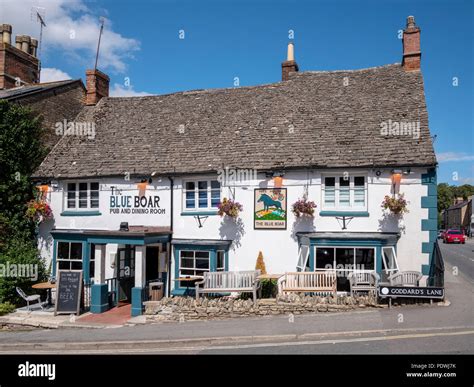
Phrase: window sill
(81,213)
(344,213)
(200,213)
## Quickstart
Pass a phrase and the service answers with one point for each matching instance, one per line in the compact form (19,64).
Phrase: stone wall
(183,309)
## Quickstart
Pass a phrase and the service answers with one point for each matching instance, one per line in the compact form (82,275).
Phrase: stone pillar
(99,290)
(140,280)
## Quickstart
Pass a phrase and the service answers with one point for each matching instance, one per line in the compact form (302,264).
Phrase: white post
(140,266)
(99,269)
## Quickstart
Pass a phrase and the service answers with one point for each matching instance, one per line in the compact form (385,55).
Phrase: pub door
(125,274)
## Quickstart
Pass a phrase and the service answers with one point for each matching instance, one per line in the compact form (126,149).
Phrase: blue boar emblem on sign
(269,202)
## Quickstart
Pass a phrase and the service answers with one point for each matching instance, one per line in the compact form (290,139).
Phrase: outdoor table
(48,286)
(187,280)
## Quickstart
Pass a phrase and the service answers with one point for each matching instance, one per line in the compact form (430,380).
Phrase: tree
(20,154)
(260,264)
(445,196)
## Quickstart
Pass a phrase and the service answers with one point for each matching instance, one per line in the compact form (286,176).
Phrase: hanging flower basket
(229,207)
(303,207)
(396,206)
(38,210)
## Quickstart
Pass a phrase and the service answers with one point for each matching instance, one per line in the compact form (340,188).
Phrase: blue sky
(223,40)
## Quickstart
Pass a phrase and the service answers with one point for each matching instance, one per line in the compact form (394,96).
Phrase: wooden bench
(405,278)
(308,282)
(229,281)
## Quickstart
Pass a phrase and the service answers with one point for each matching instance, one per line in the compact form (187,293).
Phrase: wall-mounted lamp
(277,179)
(142,187)
(396,179)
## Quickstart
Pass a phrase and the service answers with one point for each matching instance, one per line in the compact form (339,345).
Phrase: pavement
(437,328)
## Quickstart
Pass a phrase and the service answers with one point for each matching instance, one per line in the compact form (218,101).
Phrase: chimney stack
(411,46)
(6,33)
(18,64)
(97,85)
(289,66)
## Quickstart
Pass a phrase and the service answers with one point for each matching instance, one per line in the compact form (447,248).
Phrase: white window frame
(196,207)
(337,207)
(220,268)
(303,258)
(76,198)
(194,264)
(395,260)
(69,260)
(374,270)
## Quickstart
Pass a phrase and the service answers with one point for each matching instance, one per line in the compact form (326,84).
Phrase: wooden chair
(363,281)
(405,278)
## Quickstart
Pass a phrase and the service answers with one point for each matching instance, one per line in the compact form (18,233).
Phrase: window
(193,263)
(69,256)
(389,262)
(345,260)
(82,196)
(92,262)
(220,260)
(202,195)
(303,258)
(345,192)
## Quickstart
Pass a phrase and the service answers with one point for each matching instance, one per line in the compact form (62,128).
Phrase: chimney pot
(6,32)
(18,40)
(33,47)
(97,86)
(290,65)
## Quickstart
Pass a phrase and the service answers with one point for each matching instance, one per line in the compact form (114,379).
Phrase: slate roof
(312,120)
(23,91)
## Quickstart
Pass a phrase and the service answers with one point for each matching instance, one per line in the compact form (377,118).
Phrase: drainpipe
(170,252)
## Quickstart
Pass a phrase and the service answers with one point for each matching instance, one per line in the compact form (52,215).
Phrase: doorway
(125,274)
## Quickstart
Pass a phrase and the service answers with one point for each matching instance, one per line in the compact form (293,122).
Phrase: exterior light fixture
(278,179)
(396,179)
(142,187)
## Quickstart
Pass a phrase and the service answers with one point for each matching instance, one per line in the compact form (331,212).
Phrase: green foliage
(447,193)
(21,153)
(6,308)
(19,252)
(269,288)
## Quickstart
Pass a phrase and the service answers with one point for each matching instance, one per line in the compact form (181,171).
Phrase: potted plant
(38,210)
(396,205)
(229,207)
(303,207)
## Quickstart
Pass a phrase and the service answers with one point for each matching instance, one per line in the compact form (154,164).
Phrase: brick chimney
(289,66)
(97,85)
(18,64)
(411,46)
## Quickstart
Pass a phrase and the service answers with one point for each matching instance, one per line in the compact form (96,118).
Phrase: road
(408,329)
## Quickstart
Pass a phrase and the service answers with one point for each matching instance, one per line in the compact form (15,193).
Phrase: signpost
(410,292)
(68,292)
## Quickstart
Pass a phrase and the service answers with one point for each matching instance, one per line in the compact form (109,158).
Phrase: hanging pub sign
(270,209)
(411,292)
(140,204)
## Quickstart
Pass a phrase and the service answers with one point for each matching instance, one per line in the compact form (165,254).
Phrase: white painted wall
(279,247)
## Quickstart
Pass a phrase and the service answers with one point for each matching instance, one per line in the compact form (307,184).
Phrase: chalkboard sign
(68,291)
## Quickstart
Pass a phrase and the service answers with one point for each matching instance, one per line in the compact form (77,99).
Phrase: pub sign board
(270,209)
(68,292)
(411,292)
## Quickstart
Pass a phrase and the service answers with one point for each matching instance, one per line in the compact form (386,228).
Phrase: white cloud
(454,156)
(120,91)
(50,74)
(73,28)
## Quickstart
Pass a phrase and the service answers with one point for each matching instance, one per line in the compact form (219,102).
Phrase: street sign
(411,292)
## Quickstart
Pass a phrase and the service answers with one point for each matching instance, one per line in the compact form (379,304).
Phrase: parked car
(441,233)
(454,236)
